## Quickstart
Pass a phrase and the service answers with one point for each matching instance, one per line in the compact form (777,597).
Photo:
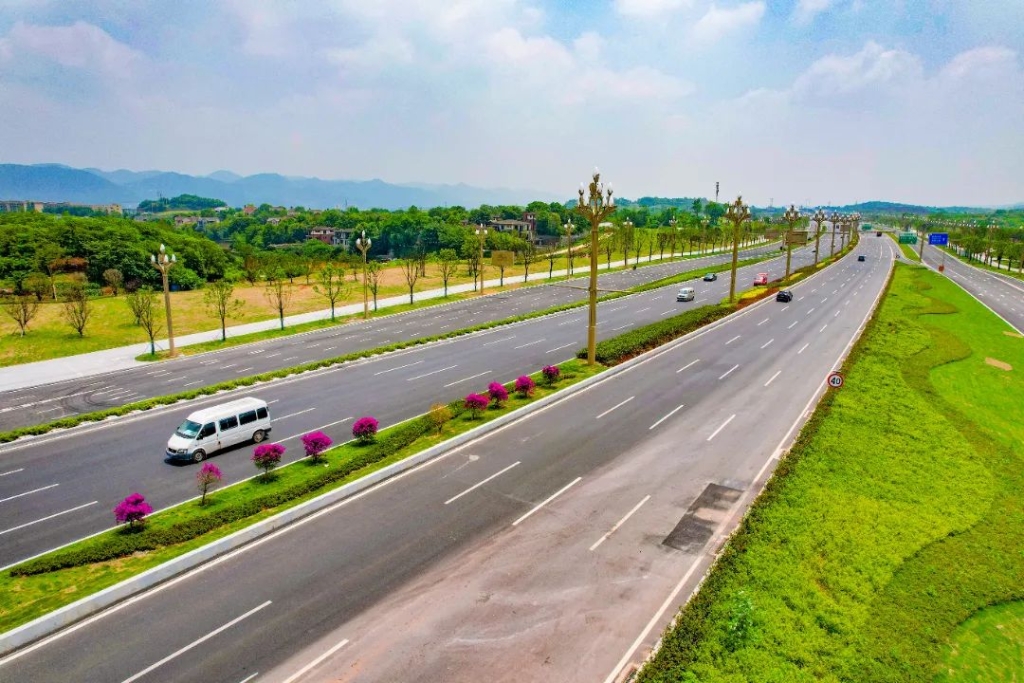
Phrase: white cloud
(807,10)
(966,64)
(718,23)
(871,68)
(81,46)
(648,9)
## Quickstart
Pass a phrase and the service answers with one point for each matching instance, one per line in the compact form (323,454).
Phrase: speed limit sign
(835,380)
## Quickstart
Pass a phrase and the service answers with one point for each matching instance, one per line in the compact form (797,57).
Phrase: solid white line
(479,484)
(688,365)
(466,379)
(283,417)
(4,474)
(58,514)
(194,643)
(563,346)
(674,411)
(728,372)
(548,500)
(407,365)
(304,670)
(768,344)
(431,373)
(620,522)
(42,488)
(715,433)
(773,378)
(733,339)
(614,407)
(802,348)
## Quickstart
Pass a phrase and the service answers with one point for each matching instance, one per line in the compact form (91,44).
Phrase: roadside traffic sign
(835,380)
(939,239)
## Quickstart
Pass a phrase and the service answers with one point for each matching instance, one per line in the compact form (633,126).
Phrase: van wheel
(258,436)
(198,455)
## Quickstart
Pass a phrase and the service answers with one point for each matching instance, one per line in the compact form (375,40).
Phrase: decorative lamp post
(594,205)
(834,219)
(792,216)
(627,236)
(737,212)
(568,228)
(164,263)
(363,245)
(481,235)
(819,218)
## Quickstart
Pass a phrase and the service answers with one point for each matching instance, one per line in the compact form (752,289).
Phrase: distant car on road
(861,258)
(761,279)
(710,277)
(784,295)
(878,234)
(686,294)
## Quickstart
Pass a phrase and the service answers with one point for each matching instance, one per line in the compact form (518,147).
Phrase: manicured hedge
(635,342)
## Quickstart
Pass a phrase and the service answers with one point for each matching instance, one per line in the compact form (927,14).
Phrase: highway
(1003,294)
(61,487)
(49,402)
(539,552)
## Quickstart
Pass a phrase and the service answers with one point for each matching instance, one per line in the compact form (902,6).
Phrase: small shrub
(475,403)
(365,429)
(551,374)
(439,414)
(498,393)
(205,478)
(524,386)
(132,509)
(267,456)
(315,444)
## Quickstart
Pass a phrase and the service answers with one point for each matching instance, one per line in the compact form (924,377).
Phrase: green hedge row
(123,543)
(633,343)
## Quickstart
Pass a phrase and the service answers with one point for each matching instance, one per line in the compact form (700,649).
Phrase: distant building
(249,209)
(525,228)
(19,205)
(184,220)
(274,221)
(330,236)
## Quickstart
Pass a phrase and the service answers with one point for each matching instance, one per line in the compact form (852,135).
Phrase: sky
(782,101)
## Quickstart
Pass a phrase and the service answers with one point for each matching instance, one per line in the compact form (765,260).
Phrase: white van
(686,294)
(213,429)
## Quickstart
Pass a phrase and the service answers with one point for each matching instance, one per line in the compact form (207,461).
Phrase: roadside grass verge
(148,404)
(987,647)
(983,266)
(44,584)
(897,515)
(908,250)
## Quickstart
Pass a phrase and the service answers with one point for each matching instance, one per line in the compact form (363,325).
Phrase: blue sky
(806,101)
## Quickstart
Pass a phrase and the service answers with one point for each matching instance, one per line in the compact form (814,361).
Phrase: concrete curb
(68,615)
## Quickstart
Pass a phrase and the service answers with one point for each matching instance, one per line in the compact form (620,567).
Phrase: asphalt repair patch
(702,518)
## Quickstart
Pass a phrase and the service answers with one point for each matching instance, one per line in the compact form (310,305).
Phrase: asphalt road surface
(58,488)
(1003,294)
(553,549)
(49,402)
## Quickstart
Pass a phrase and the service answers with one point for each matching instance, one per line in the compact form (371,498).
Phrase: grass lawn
(987,647)
(111,324)
(909,250)
(897,517)
(23,598)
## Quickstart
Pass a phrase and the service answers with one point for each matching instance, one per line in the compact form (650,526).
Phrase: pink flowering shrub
(205,478)
(267,456)
(132,509)
(475,403)
(524,386)
(551,373)
(365,429)
(315,444)
(498,393)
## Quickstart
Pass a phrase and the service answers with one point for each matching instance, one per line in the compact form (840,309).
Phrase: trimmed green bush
(633,343)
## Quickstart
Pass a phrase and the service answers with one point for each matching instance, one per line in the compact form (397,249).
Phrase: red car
(761,279)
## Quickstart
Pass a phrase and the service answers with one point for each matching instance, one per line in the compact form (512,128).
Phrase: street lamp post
(627,242)
(568,228)
(164,263)
(737,212)
(834,219)
(792,216)
(819,218)
(595,206)
(481,235)
(363,245)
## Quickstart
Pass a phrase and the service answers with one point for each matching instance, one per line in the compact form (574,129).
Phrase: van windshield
(188,429)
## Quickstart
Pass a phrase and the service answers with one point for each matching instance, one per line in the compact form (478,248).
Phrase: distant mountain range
(59,183)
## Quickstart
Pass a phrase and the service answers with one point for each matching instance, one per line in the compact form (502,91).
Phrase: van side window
(261,413)
(246,418)
(228,423)
(209,429)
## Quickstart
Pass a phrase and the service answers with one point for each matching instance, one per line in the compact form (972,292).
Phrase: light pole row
(164,262)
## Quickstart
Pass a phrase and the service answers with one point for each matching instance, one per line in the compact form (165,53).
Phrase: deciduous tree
(77,307)
(447,264)
(217,297)
(21,309)
(278,293)
(331,285)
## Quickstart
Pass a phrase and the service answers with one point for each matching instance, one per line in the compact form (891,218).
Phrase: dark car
(878,234)
(710,277)
(784,295)
(861,258)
